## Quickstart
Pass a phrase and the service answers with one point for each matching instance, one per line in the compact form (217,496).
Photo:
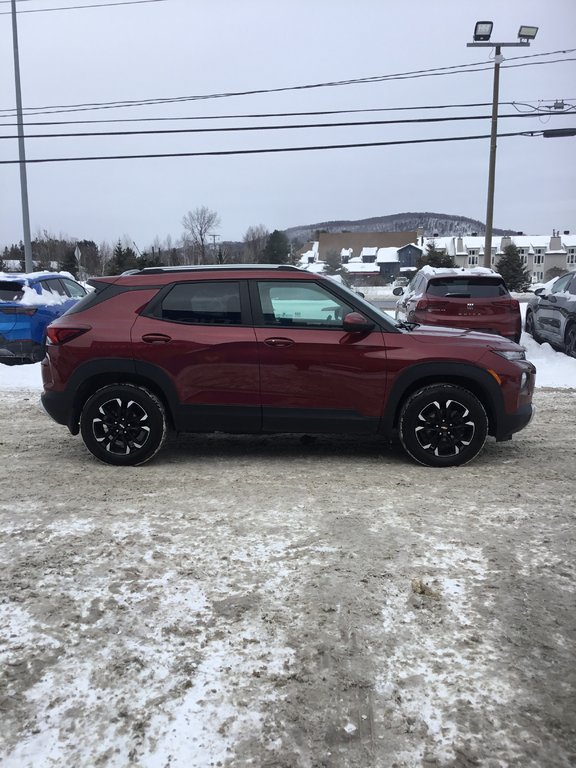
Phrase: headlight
(511,354)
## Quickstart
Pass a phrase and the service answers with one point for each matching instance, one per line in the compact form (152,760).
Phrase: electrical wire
(81,7)
(238,129)
(244,116)
(433,72)
(274,150)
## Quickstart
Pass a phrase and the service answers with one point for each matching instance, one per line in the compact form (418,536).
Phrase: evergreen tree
(333,263)
(510,266)
(277,250)
(434,257)
(122,260)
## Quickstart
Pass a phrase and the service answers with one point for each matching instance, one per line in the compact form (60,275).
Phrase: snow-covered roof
(387,255)
(368,251)
(359,267)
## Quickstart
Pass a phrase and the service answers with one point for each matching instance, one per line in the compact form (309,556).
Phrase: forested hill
(431,223)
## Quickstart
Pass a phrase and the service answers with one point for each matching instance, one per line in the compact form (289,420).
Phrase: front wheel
(443,425)
(123,424)
(570,341)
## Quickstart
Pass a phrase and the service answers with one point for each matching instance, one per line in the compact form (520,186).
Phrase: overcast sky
(179,48)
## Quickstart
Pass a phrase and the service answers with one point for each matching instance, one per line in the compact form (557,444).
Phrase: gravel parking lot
(286,602)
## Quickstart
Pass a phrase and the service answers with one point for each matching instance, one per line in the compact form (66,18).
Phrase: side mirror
(398,291)
(539,291)
(354,322)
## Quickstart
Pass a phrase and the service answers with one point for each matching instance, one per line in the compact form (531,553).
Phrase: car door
(552,310)
(197,338)
(315,376)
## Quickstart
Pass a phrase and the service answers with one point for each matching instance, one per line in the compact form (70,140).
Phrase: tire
(570,340)
(530,327)
(443,425)
(123,424)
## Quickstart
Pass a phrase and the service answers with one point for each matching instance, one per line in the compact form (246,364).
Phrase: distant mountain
(439,224)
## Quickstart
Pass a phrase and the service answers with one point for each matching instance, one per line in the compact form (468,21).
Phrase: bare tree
(198,225)
(255,240)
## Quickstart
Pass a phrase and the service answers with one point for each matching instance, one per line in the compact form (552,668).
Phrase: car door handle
(278,341)
(156,338)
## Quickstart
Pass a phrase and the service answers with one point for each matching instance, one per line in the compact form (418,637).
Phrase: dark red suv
(475,298)
(262,349)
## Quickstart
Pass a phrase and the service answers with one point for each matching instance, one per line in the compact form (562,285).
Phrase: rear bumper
(57,406)
(18,350)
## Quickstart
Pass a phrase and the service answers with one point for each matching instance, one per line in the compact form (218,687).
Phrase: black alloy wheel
(123,424)
(443,425)
(570,340)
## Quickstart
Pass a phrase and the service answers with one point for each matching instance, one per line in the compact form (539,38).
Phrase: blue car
(28,304)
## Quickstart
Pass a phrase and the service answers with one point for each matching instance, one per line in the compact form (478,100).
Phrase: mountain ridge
(438,224)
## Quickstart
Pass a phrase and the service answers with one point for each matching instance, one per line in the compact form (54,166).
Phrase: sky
(168,49)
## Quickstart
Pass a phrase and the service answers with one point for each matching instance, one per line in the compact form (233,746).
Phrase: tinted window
(561,284)
(463,287)
(10,290)
(203,303)
(300,304)
(572,288)
(54,286)
(74,289)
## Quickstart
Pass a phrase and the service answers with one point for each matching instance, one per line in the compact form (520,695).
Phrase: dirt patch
(276,602)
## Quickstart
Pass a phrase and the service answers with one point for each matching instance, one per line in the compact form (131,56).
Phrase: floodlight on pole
(482,34)
(483,31)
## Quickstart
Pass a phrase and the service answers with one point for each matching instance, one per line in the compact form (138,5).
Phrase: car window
(203,303)
(572,288)
(561,284)
(54,286)
(463,287)
(10,290)
(297,304)
(74,289)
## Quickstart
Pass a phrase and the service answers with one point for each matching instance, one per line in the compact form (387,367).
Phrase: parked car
(267,349)
(551,314)
(28,303)
(475,298)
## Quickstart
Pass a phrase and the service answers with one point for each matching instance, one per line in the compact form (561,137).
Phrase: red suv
(474,298)
(253,349)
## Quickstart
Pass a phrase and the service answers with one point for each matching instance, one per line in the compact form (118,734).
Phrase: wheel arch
(94,375)
(476,380)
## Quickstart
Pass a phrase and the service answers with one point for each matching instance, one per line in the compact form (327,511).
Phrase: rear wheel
(530,327)
(443,425)
(570,341)
(123,424)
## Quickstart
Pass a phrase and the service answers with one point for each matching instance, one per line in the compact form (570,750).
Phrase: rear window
(10,290)
(465,288)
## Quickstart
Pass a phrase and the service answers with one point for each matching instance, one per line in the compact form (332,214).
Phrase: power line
(81,7)
(227,152)
(237,129)
(434,72)
(325,112)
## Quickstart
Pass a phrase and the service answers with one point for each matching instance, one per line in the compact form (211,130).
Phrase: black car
(551,314)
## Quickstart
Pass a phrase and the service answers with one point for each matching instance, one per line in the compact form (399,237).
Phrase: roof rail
(212,267)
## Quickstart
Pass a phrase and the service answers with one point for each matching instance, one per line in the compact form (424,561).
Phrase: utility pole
(214,247)
(482,34)
(29,266)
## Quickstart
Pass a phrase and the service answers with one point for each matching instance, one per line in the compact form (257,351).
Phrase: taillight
(514,305)
(19,310)
(422,305)
(62,335)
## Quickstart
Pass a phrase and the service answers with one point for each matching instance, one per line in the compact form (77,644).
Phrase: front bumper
(512,423)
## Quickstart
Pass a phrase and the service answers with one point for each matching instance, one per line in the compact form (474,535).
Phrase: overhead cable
(273,150)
